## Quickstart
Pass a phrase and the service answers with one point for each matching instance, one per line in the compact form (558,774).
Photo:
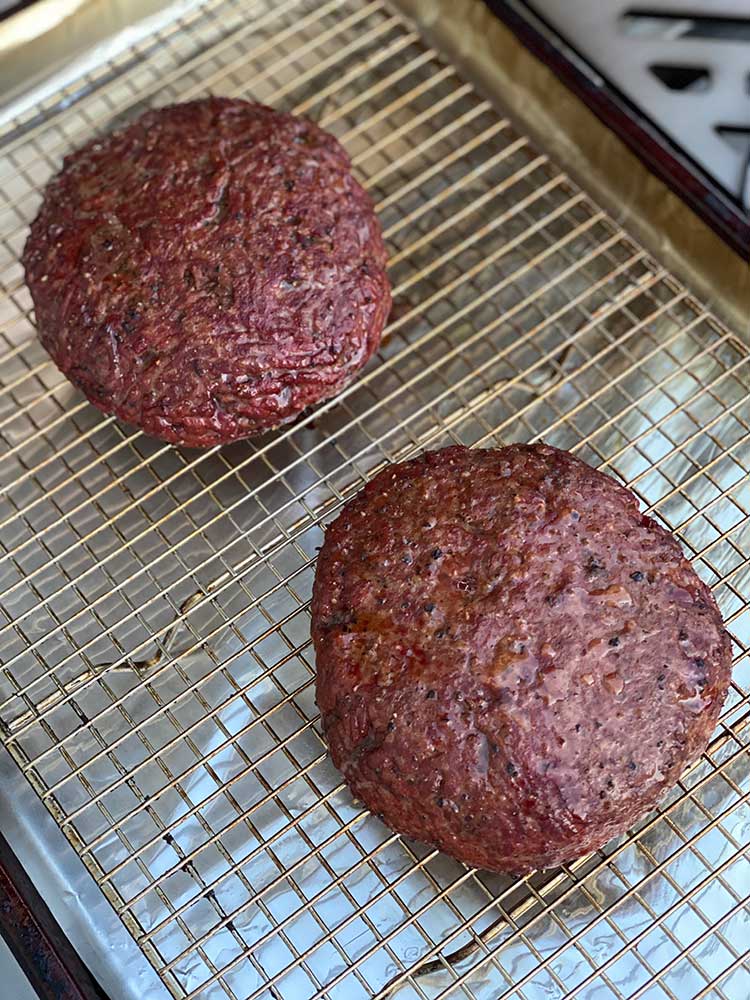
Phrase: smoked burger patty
(513,663)
(208,271)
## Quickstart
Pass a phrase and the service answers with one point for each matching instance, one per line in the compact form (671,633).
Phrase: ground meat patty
(209,271)
(513,662)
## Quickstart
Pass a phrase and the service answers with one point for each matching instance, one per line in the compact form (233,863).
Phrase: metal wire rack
(157,676)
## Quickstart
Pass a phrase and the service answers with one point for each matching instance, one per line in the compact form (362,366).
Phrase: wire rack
(157,676)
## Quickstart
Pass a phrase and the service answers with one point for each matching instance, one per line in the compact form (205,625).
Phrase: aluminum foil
(45,46)
(71,894)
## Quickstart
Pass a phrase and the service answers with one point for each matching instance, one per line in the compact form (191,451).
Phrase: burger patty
(208,271)
(513,663)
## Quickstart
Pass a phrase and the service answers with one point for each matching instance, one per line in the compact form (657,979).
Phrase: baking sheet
(522,310)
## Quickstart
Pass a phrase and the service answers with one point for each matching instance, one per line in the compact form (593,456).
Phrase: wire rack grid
(157,681)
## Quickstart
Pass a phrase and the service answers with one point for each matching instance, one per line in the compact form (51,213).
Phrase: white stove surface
(690,74)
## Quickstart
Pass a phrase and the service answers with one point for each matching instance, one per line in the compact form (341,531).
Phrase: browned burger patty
(513,661)
(208,271)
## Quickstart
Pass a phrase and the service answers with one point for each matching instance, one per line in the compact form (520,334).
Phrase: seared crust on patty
(208,271)
(513,663)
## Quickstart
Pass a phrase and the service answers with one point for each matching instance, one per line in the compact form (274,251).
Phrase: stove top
(674,85)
